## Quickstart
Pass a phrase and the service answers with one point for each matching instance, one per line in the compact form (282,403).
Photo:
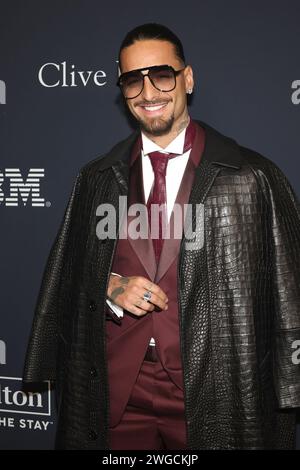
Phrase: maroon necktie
(159,161)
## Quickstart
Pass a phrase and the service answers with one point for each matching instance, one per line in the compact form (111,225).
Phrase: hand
(127,292)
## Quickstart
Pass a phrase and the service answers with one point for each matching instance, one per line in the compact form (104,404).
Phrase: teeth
(154,108)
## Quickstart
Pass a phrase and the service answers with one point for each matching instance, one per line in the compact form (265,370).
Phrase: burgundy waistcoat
(128,339)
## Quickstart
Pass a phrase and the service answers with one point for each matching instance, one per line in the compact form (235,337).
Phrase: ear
(188,78)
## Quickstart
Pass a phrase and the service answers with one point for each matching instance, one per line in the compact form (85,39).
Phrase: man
(186,342)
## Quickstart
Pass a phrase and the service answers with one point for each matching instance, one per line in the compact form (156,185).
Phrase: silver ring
(147,296)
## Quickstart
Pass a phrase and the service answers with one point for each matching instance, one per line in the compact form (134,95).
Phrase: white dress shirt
(174,174)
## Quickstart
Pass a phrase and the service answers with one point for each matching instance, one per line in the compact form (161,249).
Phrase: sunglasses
(162,77)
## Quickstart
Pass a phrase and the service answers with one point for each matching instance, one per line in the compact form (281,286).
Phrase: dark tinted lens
(132,84)
(163,78)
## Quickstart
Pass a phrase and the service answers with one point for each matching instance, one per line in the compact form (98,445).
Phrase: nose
(149,90)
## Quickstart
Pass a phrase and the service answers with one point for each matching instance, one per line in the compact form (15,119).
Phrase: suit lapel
(171,244)
(143,247)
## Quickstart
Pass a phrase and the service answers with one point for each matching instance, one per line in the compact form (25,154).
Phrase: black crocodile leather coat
(239,304)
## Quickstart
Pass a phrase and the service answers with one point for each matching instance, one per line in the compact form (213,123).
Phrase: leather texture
(239,299)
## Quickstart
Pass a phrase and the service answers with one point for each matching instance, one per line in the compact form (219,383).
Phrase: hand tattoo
(116,292)
(119,290)
(124,280)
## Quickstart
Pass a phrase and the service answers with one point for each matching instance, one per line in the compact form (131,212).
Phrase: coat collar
(219,150)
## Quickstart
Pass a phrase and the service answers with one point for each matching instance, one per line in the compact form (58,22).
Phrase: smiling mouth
(152,108)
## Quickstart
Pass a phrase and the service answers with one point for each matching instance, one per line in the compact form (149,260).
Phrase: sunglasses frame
(153,67)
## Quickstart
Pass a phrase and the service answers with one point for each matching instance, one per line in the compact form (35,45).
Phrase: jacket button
(92,305)
(94,372)
(93,435)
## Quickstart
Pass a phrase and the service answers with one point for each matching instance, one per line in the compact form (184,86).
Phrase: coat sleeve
(41,355)
(285,266)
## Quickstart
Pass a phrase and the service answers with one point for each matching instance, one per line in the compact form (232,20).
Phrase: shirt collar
(176,146)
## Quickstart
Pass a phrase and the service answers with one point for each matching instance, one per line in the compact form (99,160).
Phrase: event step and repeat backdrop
(60,108)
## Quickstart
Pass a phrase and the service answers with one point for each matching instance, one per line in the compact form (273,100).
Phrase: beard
(157,126)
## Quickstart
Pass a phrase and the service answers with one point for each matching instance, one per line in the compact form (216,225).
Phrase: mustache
(152,102)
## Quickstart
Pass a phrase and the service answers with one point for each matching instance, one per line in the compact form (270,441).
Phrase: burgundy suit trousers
(154,416)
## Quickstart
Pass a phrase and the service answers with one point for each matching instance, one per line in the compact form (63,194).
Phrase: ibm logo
(2,352)
(2,92)
(19,187)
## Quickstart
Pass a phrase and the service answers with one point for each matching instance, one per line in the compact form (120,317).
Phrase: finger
(155,289)
(146,284)
(155,299)
(139,312)
(143,304)
(135,304)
